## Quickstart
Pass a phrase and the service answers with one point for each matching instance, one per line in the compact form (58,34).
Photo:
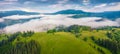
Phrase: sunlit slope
(58,43)
(62,43)
(101,34)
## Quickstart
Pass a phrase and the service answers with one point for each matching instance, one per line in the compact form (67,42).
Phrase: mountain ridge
(16,12)
(79,13)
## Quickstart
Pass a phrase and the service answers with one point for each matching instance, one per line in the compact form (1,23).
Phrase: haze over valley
(38,22)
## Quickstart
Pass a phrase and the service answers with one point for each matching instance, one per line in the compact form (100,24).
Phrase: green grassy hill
(62,43)
(55,43)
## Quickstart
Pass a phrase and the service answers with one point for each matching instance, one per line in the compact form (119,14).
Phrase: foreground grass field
(58,43)
(62,43)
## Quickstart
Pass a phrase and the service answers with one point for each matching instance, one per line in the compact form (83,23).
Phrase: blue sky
(56,5)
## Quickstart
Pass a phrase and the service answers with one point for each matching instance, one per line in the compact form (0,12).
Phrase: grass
(65,43)
(100,34)
(62,43)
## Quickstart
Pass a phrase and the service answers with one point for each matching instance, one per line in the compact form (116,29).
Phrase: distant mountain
(16,12)
(8,22)
(70,11)
(109,14)
(78,14)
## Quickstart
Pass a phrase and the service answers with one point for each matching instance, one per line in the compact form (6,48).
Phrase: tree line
(113,43)
(31,47)
(75,29)
(12,37)
(20,47)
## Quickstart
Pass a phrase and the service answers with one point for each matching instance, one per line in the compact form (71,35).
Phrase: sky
(46,6)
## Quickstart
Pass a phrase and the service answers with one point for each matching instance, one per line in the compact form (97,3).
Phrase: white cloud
(51,21)
(1,20)
(113,7)
(62,1)
(86,2)
(58,7)
(100,6)
(118,20)
(61,5)
(44,0)
(105,7)
(17,17)
(5,3)
(11,0)
(97,8)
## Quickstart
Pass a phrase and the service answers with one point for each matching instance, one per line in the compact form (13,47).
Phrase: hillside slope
(58,43)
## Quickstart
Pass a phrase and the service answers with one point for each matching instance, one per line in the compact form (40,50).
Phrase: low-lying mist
(51,21)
